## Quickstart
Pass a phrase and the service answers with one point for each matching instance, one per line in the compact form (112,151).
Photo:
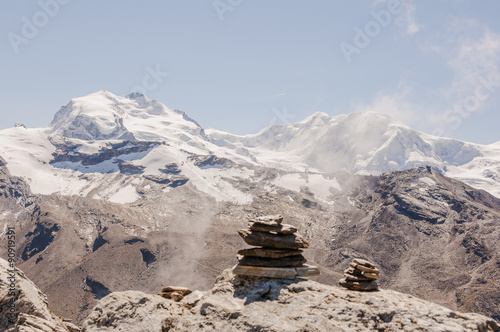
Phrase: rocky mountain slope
(431,236)
(247,304)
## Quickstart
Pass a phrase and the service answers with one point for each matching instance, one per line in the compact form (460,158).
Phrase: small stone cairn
(278,253)
(175,293)
(360,276)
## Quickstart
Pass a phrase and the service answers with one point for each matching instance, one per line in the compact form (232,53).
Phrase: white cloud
(472,53)
(470,50)
(407,19)
(396,104)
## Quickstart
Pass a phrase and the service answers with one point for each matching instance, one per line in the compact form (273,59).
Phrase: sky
(241,65)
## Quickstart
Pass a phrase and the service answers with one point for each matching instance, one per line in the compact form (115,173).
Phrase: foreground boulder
(23,307)
(262,304)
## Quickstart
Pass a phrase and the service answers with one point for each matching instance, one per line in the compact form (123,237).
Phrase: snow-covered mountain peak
(317,116)
(103,116)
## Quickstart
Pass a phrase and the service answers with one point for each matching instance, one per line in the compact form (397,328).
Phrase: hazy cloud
(472,53)
(407,18)
(396,104)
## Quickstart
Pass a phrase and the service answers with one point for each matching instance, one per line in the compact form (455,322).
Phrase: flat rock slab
(269,240)
(280,228)
(270,253)
(359,285)
(176,296)
(276,272)
(274,220)
(352,271)
(265,272)
(307,271)
(363,262)
(373,276)
(183,290)
(350,277)
(273,262)
(364,268)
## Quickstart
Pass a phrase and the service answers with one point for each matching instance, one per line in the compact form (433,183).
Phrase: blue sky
(241,65)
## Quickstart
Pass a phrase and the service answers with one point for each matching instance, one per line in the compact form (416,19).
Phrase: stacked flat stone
(278,253)
(360,276)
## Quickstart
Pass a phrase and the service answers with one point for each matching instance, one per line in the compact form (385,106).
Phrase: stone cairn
(278,253)
(175,293)
(360,276)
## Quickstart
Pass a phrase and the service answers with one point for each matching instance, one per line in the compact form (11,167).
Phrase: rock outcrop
(23,307)
(262,304)
(242,304)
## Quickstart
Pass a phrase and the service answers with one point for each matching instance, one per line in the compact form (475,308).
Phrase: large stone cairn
(278,253)
(360,276)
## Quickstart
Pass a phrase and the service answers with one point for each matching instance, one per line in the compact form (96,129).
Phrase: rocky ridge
(247,304)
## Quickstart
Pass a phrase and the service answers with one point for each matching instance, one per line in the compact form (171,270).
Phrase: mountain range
(123,193)
(101,145)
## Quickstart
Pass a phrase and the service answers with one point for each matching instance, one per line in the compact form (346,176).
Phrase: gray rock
(273,220)
(371,285)
(307,271)
(27,309)
(192,299)
(368,275)
(134,311)
(183,290)
(290,261)
(350,277)
(352,271)
(269,253)
(269,240)
(175,296)
(265,272)
(364,268)
(363,262)
(280,228)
